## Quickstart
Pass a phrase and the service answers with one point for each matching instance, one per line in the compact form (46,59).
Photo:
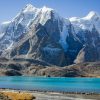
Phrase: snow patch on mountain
(1,35)
(10,46)
(6,23)
(63,35)
(73,19)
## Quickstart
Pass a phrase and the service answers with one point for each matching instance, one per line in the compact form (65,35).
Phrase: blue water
(51,84)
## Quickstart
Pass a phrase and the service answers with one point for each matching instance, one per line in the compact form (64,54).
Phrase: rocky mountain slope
(34,68)
(41,34)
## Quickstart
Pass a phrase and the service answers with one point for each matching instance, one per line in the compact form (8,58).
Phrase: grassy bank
(8,95)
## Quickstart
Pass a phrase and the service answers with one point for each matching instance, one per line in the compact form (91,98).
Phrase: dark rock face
(16,67)
(75,46)
(89,51)
(12,73)
(24,48)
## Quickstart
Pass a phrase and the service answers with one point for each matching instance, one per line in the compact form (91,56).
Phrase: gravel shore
(57,96)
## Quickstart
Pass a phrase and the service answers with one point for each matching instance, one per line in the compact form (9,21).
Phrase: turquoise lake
(51,84)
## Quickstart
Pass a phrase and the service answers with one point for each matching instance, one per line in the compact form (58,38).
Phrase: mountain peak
(29,8)
(29,5)
(45,8)
(91,15)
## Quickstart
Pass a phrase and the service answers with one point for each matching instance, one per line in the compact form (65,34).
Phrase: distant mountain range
(41,34)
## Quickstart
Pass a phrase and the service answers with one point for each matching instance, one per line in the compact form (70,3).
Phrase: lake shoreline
(44,91)
(47,94)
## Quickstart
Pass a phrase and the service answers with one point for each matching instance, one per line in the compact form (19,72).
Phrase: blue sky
(66,8)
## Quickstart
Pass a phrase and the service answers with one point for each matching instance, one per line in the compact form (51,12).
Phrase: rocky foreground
(36,95)
(38,68)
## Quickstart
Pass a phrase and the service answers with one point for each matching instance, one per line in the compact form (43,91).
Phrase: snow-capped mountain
(88,30)
(87,22)
(14,29)
(42,34)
